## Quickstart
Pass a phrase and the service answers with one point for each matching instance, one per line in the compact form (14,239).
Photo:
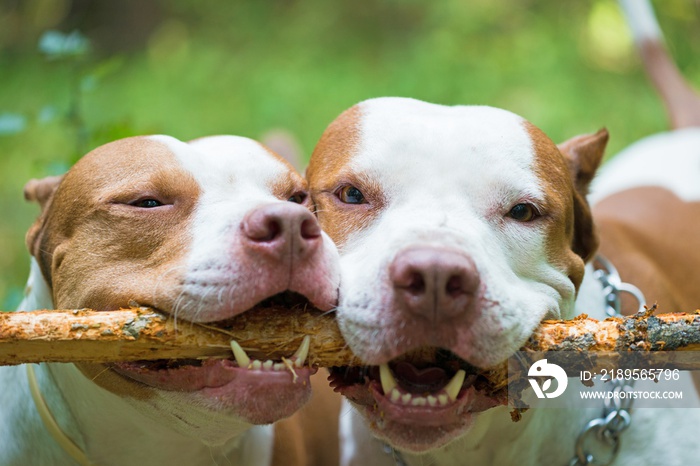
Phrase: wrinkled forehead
(412,143)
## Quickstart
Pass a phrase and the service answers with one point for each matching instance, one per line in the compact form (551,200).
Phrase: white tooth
(418,401)
(432,401)
(268,364)
(302,353)
(278,366)
(242,358)
(387,378)
(395,395)
(455,385)
(442,399)
(256,365)
(405,399)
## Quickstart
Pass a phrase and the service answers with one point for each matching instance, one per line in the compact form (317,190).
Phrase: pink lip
(258,396)
(419,428)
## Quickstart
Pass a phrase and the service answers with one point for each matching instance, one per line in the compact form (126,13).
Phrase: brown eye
(351,195)
(297,198)
(523,213)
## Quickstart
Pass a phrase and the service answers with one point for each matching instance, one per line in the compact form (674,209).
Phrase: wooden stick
(144,334)
(642,332)
(276,332)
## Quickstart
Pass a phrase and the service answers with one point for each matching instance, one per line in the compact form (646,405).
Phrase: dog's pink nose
(434,283)
(281,229)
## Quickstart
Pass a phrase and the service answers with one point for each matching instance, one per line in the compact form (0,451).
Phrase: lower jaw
(257,397)
(418,438)
(419,429)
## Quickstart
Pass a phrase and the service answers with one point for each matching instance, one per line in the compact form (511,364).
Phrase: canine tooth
(395,395)
(442,399)
(387,378)
(268,364)
(303,352)
(406,398)
(455,385)
(242,358)
(432,401)
(418,401)
(256,365)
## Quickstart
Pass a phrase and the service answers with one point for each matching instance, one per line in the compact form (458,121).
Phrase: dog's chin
(255,396)
(415,438)
(426,408)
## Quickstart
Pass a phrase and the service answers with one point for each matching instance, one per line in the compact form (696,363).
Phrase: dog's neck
(113,429)
(37,294)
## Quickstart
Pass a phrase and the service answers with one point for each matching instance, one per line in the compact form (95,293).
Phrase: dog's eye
(147,203)
(297,198)
(351,195)
(523,212)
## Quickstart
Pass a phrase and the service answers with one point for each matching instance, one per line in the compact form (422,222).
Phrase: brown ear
(584,154)
(39,191)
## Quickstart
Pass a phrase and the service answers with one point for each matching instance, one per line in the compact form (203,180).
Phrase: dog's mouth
(421,399)
(277,387)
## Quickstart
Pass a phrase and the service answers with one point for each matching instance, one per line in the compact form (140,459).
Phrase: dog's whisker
(100,373)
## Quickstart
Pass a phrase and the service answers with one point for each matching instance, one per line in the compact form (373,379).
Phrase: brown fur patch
(328,171)
(288,183)
(566,171)
(652,238)
(110,253)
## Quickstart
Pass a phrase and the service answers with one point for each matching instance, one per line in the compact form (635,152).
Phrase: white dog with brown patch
(460,229)
(203,231)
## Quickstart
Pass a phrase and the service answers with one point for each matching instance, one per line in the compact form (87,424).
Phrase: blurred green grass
(247,67)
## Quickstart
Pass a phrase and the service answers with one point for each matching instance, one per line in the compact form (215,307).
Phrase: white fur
(669,160)
(217,164)
(235,175)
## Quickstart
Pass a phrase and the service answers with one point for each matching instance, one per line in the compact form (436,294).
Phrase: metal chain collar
(604,432)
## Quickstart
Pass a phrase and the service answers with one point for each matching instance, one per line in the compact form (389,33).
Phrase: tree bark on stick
(276,332)
(145,334)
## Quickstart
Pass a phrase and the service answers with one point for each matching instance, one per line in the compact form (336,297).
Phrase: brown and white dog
(460,229)
(202,231)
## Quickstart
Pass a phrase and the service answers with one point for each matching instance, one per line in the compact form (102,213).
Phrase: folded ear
(39,191)
(584,154)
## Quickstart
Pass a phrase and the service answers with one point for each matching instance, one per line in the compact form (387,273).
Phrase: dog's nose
(281,229)
(434,283)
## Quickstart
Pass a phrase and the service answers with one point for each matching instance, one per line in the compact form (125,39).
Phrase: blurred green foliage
(75,74)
